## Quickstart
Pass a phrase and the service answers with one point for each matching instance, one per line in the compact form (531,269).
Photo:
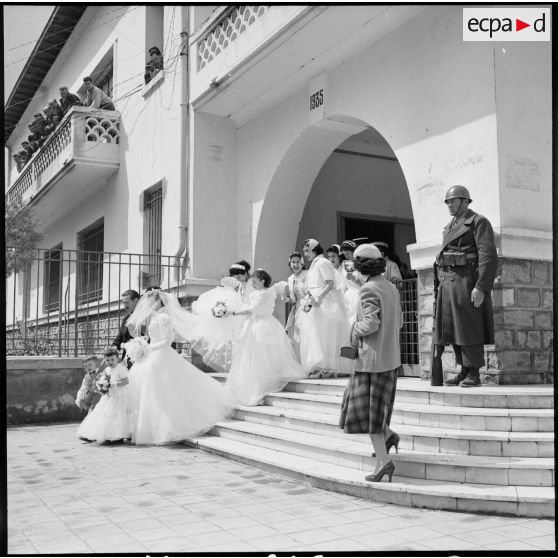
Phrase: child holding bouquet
(88,396)
(109,422)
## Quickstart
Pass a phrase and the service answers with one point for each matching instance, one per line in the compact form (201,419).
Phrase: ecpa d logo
(506,24)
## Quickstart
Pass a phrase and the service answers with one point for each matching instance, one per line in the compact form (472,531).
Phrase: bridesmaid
(241,271)
(294,292)
(352,285)
(323,324)
(334,256)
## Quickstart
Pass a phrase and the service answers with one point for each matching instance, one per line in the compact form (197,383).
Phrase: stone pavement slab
(67,496)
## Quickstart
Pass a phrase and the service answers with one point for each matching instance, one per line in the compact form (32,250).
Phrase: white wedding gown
(263,358)
(171,399)
(213,337)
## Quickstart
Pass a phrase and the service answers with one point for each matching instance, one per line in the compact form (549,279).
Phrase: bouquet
(103,383)
(137,348)
(219,310)
(349,266)
(307,303)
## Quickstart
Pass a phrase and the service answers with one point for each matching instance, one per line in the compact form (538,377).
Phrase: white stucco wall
(150,124)
(213,196)
(429,94)
(353,184)
(149,142)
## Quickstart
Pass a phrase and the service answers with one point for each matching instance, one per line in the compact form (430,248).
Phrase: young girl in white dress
(294,292)
(110,419)
(172,400)
(263,358)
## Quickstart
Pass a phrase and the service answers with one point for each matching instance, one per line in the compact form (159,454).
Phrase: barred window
(52,282)
(152,233)
(90,263)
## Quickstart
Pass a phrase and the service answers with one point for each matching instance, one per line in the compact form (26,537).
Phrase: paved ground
(66,496)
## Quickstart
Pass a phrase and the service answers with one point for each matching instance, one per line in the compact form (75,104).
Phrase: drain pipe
(182,259)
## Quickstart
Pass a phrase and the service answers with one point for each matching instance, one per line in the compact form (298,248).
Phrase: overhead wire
(71,27)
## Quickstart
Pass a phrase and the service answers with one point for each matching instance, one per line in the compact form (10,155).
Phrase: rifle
(437,378)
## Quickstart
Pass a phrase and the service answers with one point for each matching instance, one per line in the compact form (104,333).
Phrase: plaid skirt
(368,402)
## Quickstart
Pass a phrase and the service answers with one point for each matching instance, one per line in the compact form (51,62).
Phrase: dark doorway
(374,231)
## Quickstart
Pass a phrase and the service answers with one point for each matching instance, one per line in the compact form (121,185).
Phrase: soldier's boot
(459,378)
(472,379)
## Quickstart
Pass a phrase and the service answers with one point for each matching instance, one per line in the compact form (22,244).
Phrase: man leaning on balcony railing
(95,97)
(68,100)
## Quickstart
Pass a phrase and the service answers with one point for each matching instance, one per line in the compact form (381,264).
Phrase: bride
(171,400)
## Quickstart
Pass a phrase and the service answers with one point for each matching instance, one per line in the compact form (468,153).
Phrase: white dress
(213,337)
(351,296)
(297,288)
(172,400)
(263,358)
(110,419)
(324,329)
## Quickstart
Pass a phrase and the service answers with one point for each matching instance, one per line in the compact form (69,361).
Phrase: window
(102,74)
(52,286)
(90,263)
(152,232)
(104,82)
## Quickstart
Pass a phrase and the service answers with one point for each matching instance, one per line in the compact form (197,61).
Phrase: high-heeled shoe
(387,469)
(393,440)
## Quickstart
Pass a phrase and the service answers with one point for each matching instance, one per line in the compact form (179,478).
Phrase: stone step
(422,465)
(417,438)
(527,501)
(414,390)
(438,416)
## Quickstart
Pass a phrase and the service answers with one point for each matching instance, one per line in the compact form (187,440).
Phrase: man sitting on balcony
(68,100)
(155,64)
(50,119)
(28,148)
(96,98)
(57,111)
(18,161)
(37,128)
(23,157)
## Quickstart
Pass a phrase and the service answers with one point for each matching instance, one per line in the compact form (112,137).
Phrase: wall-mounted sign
(317,98)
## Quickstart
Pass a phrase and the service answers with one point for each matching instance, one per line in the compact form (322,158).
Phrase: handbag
(348,351)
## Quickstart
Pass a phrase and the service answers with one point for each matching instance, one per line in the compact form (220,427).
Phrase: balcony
(247,58)
(73,163)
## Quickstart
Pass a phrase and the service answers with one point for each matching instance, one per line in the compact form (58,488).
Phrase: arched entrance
(339,179)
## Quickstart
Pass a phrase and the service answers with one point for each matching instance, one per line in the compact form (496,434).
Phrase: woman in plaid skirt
(369,396)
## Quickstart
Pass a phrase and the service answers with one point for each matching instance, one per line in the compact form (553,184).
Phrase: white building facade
(271,124)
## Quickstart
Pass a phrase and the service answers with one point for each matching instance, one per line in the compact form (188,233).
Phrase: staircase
(487,449)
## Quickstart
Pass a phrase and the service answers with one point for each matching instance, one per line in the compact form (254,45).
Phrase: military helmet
(458,192)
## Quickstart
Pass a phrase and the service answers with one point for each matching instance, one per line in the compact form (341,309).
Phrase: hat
(311,243)
(361,240)
(154,49)
(348,245)
(379,244)
(368,251)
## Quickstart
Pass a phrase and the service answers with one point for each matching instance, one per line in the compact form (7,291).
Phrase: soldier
(466,271)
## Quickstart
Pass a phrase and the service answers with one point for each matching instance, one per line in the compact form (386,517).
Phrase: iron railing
(409,331)
(59,304)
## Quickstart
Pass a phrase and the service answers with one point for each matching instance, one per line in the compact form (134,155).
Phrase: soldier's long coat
(458,322)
